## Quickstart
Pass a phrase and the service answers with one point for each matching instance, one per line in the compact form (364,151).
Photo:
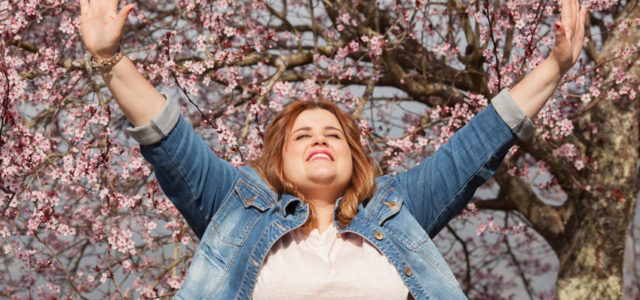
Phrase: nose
(319,140)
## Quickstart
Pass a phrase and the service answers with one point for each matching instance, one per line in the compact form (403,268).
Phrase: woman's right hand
(102,25)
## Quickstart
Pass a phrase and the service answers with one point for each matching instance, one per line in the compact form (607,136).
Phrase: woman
(309,219)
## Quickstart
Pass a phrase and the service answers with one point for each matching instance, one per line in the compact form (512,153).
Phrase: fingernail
(557,25)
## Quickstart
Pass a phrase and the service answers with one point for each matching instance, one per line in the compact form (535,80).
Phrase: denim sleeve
(439,188)
(189,172)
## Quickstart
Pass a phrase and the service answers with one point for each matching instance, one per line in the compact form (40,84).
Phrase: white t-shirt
(327,266)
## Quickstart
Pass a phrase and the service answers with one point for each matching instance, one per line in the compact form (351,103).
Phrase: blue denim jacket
(238,217)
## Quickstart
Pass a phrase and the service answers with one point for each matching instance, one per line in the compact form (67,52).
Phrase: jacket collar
(290,204)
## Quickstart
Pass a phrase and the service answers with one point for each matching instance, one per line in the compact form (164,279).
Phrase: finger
(580,14)
(564,12)
(106,6)
(570,17)
(84,7)
(579,20)
(580,29)
(112,4)
(576,11)
(560,30)
(121,19)
(578,37)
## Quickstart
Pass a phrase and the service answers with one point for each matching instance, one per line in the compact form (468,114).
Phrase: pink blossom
(121,240)
(481,229)
(283,90)
(567,150)
(174,282)
(579,164)
(376,45)
(595,92)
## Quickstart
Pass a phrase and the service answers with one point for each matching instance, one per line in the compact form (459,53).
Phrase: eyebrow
(307,128)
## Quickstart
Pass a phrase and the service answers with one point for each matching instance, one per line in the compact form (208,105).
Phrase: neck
(323,201)
(324,213)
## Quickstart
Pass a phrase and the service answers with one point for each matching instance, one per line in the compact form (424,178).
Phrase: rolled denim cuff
(159,127)
(512,115)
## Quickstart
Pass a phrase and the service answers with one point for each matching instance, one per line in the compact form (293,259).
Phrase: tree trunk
(591,259)
(591,249)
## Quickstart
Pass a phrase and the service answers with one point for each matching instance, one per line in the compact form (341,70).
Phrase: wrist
(553,68)
(557,65)
(100,58)
(103,53)
(105,64)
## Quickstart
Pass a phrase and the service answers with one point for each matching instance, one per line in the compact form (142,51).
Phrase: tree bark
(592,247)
(591,259)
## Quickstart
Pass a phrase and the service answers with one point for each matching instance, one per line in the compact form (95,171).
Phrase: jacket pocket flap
(388,205)
(252,196)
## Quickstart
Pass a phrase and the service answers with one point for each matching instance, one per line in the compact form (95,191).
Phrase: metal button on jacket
(378,235)
(393,205)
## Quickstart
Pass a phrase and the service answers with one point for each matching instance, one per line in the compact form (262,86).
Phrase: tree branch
(521,272)
(363,100)
(467,276)
(549,221)
(420,90)
(562,170)
(501,204)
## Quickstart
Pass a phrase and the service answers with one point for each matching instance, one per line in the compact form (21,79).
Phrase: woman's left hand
(569,35)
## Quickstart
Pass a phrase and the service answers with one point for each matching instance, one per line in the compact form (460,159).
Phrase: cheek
(289,164)
(291,150)
(347,158)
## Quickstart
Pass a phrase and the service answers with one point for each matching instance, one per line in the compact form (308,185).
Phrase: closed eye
(335,135)
(302,136)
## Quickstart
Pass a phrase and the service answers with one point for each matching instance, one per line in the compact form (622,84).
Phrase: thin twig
(281,66)
(113,279)
(67,275)
(357,113)
(515,260)
(467,276)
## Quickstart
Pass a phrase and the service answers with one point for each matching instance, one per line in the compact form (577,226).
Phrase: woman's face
(316,154)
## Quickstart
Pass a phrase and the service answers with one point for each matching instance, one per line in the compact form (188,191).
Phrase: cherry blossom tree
(83,216)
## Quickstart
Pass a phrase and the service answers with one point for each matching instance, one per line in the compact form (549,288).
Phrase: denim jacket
(238,217)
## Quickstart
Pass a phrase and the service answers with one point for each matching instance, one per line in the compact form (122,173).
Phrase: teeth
(320,155)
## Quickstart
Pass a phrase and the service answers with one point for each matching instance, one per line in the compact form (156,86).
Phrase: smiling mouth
(320,156)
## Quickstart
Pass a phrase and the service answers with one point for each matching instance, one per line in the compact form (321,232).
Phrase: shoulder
(386,200)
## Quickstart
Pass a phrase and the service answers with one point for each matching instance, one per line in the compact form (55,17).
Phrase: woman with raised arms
(311,218)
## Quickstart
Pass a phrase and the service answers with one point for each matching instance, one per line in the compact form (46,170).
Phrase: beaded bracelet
(108,63)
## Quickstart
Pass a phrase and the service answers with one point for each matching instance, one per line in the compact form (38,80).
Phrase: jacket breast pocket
(238,214)
(228,230)
(233,221)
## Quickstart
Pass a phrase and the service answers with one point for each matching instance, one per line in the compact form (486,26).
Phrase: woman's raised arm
(440,187)
(533,91)
(102,26)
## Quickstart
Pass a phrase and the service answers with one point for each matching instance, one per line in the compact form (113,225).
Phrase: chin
(323,179)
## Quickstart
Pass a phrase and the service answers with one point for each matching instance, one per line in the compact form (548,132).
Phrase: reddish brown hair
(270,165)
